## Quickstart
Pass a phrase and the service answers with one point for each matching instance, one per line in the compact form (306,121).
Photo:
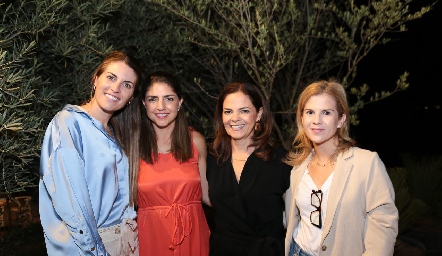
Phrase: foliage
(424,176)
(49,49)
(418,193)
(23,93)
(410,208)
(282,46)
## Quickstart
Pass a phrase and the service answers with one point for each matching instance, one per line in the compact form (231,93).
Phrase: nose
(115,87)
(160,104)
(317,119)
(235,117)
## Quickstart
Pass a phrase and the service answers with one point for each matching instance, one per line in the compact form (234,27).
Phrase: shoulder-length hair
(264,145)
(302,145)
(181,146)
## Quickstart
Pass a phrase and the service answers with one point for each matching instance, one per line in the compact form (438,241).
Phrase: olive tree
(48,49)
(282,46)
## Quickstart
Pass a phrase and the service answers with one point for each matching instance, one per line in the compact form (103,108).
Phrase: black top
(250,212)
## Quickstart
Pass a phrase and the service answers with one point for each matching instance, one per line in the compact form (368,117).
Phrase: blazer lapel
(341,173)
(295,178)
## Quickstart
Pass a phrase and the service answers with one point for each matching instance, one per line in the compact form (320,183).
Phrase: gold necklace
(330,162)
(323,165)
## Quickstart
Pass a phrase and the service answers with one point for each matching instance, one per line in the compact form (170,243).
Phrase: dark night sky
(411,120)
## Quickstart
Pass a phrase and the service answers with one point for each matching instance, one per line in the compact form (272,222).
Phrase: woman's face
(114,88)
(239,116)
(320,120)
(162,105)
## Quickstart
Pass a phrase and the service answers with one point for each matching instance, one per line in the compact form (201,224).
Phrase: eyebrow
(328,109)
(170,95)
(239,108)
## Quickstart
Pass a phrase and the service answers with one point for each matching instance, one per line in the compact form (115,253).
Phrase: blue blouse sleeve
(66,210)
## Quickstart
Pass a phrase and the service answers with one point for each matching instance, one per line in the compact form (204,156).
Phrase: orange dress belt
(182,216)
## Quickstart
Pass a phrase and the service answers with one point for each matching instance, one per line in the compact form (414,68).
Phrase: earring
(94,87)
(128,103)
(257,125)
(178,109)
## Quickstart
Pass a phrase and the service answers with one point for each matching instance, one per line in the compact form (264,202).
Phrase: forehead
(121,69)
(237,100)
(159,88)
(322,101)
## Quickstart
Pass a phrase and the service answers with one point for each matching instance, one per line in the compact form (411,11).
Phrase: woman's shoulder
(68,116)
(65,127)
(196,136)
(357,153)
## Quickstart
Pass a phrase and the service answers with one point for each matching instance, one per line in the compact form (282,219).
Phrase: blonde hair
(302,146)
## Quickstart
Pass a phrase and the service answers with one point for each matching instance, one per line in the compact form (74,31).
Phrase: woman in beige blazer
(340,200)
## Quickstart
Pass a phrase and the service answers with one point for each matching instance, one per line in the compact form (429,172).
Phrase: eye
(169,98)
(245,111)
(111,77)
(226,112)
(127,85)
(326,112)
(309,112)
(151,99)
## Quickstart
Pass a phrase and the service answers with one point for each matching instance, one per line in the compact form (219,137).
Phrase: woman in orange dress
(171,174)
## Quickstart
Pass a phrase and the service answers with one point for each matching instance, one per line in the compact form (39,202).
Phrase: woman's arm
(382,214)
(65,207)
(200,144)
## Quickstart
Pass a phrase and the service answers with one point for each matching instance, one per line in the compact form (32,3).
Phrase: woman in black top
(247,178)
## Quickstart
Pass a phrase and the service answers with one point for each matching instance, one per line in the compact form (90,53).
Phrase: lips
(317,130)
(161,116)
(237,127)
(111,97)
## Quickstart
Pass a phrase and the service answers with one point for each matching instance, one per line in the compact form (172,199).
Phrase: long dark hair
(264,144)
(181,146)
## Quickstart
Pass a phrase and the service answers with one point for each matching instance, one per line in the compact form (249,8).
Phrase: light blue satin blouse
(84,184)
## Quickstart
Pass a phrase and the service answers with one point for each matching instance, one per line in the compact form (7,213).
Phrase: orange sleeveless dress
(171,219)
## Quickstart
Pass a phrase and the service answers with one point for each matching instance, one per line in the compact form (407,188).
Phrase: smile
(161,116)
(237,127)
(111,97)
(317,130)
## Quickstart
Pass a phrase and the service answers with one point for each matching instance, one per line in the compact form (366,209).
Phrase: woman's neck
(96,112)
(163,133)
(164,138)
(324,154)
(241,150)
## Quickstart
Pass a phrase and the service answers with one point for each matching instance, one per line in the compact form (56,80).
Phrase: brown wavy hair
(302,146)
(264,144)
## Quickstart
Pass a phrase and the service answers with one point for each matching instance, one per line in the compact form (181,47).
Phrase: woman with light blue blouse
(85,204)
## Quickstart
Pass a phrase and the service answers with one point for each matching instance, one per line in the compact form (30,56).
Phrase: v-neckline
(238,181)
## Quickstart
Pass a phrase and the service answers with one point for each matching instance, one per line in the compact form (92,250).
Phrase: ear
(259,114)
(181,102)
(342,121)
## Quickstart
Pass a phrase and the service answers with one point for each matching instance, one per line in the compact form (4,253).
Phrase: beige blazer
(362,218)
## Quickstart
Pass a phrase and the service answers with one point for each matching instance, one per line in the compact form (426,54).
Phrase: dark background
(411,120)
